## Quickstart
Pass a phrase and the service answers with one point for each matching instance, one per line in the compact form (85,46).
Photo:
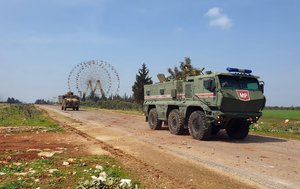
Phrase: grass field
(282,114)
(25,115)
(279,123)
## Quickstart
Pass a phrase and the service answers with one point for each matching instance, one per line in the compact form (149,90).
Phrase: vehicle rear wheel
(65,108)
(199,127)
(154,122)
(238,129)
(176,122)
(62,107)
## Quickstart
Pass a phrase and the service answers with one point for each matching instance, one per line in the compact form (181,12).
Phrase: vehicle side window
(209,84)
(188,91)
(162,91)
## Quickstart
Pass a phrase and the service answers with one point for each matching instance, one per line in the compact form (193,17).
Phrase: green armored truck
(206,103)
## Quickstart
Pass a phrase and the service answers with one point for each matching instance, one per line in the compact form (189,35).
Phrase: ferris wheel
(95,78)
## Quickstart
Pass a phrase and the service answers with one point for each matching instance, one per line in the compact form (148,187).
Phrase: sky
(41,41)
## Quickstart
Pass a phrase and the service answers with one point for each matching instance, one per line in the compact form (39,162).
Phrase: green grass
(25,115)
(279,123)
(15,184)
(38,175)
(282,114)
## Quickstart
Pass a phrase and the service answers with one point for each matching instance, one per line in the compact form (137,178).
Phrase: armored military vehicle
(206,103)
(70,100)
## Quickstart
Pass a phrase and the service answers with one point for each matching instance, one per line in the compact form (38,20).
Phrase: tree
(142,79)
(13,101)
(185,69)
(42,101)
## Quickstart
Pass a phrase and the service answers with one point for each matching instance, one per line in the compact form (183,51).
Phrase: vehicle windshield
(238,82)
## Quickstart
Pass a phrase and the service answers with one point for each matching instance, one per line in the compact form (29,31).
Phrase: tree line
(43,101)
(11,100)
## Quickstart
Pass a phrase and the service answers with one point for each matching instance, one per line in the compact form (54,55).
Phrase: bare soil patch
(33,143)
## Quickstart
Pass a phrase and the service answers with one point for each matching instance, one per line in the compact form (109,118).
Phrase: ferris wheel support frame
(97,77)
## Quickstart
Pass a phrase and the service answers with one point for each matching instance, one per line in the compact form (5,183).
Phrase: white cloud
(214,12)
(218,19)
(223,22)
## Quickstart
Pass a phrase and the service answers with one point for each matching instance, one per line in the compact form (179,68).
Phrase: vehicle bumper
(219,117)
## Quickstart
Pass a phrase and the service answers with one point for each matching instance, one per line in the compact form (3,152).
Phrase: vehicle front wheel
(238,129)
(176,122)
(154,122)
(199,127)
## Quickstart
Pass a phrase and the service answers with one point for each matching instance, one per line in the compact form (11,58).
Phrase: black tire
(238,129)
(176,122)
(74,109)
(199,127)
(77,108)
(154,122)
(215,129)
(62,107)
(65,108)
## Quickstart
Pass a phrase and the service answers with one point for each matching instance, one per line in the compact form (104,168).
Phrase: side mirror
(209,84)
(262,86)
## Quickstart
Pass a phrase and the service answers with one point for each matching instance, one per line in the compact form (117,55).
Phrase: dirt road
(257,162)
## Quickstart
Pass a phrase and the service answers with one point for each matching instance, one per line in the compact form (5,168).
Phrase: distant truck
(69,100)
(206,103)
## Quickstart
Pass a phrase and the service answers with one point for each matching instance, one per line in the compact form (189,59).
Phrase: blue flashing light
(232,69)
(247,71)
